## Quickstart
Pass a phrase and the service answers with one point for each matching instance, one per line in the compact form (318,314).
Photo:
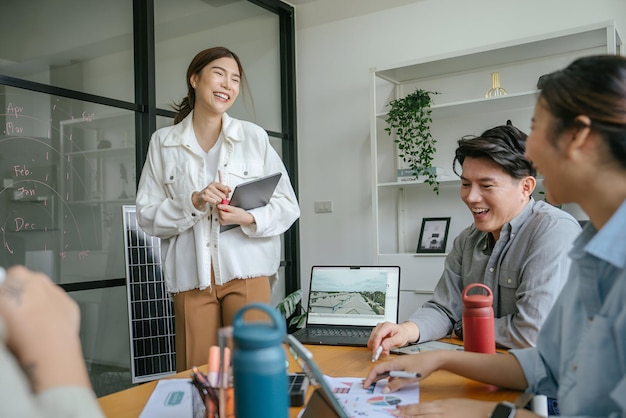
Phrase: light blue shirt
(580,357)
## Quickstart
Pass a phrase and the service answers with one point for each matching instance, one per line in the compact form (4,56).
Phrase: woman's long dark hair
(593,86)
(201,60)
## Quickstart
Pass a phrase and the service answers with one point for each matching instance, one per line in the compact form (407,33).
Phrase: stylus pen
(402,374)
(221,178)
(377,353)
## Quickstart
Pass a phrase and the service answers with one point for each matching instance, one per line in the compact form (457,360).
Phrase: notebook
(346,302)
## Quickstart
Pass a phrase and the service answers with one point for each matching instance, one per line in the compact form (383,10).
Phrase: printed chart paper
(371,402)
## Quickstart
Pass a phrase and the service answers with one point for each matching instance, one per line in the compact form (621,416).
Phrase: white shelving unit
(459,109)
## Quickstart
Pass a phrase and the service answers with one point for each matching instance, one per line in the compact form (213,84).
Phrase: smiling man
(517,246)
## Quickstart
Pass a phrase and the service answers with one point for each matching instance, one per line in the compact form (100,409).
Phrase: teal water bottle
(259,372)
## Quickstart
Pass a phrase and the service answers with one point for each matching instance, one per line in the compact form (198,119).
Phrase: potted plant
(409,119)
(292,310)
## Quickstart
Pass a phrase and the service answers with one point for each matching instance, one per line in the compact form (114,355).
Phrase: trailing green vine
(409,119)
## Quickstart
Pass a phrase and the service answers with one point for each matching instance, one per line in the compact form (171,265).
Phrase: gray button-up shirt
(525,269)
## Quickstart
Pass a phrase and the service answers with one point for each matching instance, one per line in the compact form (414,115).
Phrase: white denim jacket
(191,241)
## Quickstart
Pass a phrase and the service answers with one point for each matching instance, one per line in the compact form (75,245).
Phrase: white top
(211,157)
(191,242)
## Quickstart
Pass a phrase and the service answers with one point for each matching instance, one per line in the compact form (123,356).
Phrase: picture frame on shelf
(433,235)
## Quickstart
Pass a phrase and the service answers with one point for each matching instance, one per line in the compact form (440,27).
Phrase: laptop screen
(353,295)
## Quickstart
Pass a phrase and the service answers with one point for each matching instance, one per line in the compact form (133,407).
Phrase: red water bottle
(478,327)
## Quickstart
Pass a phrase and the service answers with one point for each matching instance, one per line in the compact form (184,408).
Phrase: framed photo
(433,235)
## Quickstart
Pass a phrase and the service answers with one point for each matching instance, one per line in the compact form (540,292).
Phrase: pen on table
(377,353)
(402,374)
(221,177)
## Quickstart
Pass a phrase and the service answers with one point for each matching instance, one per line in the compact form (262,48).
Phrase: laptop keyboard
(338,332)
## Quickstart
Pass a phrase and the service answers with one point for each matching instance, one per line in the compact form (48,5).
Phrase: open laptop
(346,302)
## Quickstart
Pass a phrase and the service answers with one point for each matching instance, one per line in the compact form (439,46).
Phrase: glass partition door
(78,103)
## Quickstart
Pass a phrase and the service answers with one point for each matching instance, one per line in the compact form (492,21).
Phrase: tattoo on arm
(31,371)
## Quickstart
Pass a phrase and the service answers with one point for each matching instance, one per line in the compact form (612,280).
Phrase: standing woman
(578,143)
(191,167)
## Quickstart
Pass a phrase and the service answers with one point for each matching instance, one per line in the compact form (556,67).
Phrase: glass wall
(68,160)
(69,149)
(250,31)
(86,46)
(67,168)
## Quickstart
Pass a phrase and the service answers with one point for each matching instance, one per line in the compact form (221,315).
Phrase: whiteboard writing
(60,192)
(21,224)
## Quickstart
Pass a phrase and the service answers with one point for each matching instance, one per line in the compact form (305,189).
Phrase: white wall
(334,55)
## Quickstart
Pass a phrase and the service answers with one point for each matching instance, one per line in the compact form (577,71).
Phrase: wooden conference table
(333,361)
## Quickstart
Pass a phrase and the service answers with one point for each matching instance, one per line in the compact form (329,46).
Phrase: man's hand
(389,335)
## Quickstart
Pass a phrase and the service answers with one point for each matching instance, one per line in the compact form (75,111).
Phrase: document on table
(172,398)
(370,402)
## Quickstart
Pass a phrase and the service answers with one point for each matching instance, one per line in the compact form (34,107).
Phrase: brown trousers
(198,315)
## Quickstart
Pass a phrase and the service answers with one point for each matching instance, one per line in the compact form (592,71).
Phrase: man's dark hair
(504,145)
